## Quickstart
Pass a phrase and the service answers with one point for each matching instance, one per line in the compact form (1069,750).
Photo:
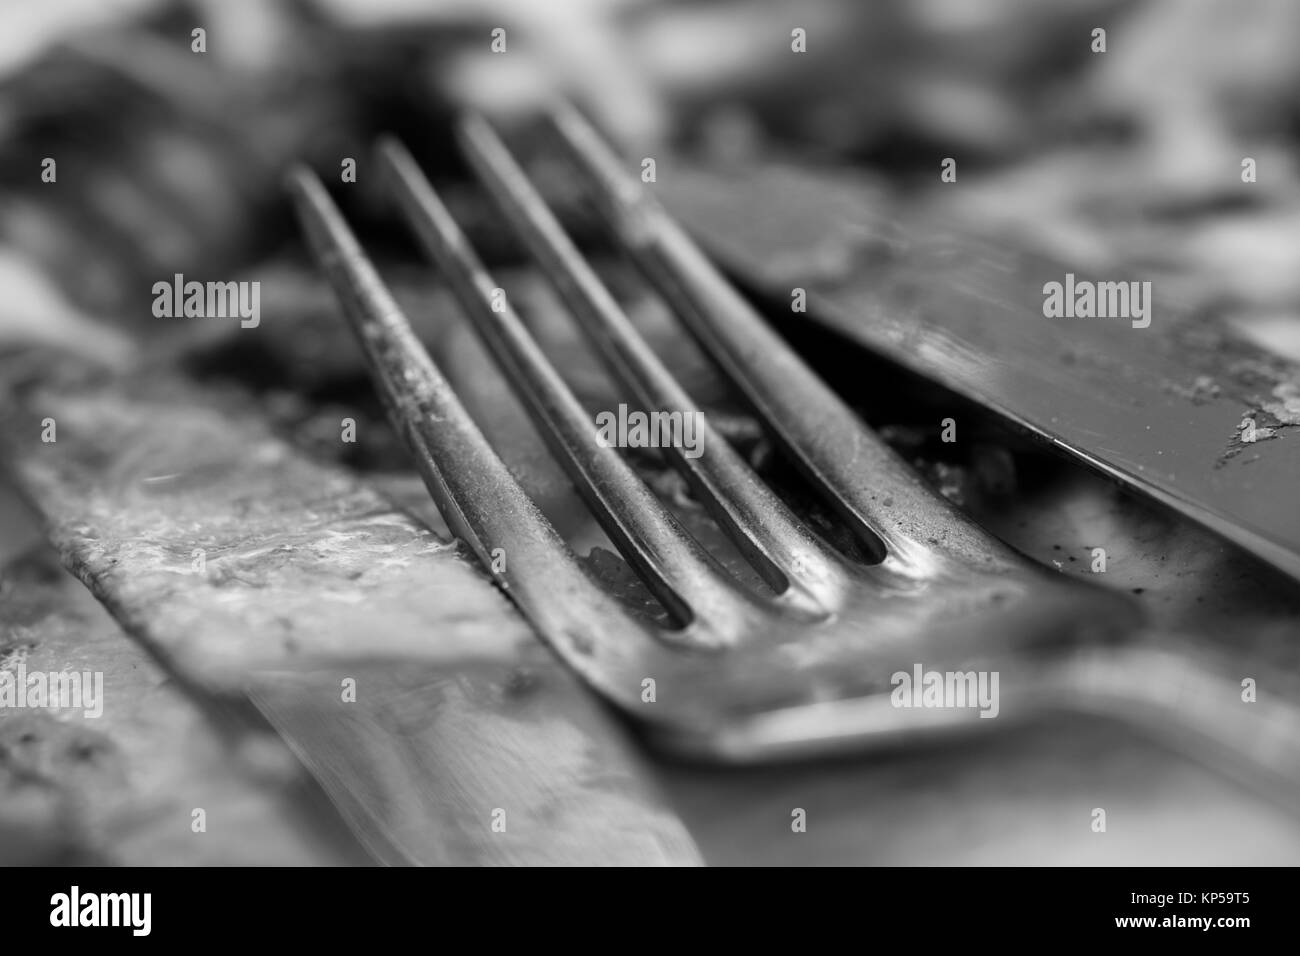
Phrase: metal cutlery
(808,663)
(1163,410)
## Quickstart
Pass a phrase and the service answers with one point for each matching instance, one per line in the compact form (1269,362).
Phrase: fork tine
(777,544)
(875,491)
(687,579)
(474,491)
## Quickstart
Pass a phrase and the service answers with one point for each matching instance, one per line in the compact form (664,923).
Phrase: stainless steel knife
(1169,409)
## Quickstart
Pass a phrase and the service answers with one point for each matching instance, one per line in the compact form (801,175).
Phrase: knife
(440,729)
(1181,410)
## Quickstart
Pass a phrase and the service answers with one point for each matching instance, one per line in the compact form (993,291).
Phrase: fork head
(805,663)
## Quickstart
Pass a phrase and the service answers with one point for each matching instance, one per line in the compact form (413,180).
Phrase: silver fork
(809,663)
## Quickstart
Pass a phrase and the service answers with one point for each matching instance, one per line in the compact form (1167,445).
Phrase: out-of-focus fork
(803,665)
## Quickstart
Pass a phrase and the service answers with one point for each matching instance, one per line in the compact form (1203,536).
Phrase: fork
(808,663)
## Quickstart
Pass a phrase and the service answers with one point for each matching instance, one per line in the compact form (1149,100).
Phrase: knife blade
(434,721)
(1162,409)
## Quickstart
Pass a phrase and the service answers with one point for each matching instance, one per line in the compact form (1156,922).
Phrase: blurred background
(169,160)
